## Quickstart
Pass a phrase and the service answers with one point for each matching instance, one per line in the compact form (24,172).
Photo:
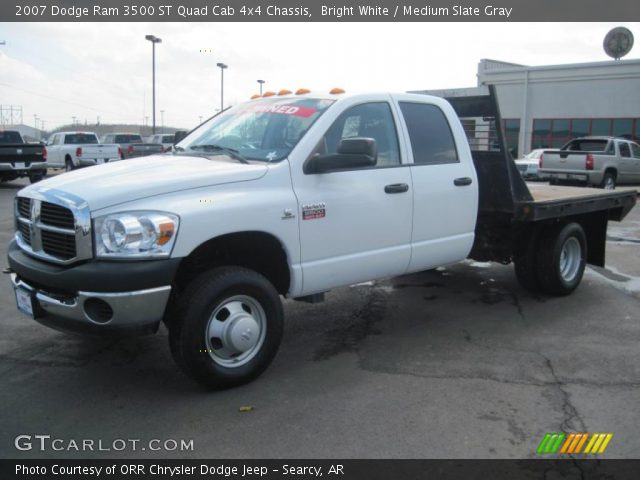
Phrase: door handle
(396,188)
(462,181)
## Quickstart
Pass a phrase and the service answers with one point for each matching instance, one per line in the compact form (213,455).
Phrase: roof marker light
(284,92)
(268,94)
(302,91)
(336,91)
(253,97)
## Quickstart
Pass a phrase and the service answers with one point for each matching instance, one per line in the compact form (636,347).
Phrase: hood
(127,180)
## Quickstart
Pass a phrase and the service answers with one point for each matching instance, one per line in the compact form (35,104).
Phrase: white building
(546,106)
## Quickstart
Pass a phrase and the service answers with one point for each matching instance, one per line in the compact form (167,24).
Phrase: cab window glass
(432,142)
(624,150)
(635,149)
(369,120)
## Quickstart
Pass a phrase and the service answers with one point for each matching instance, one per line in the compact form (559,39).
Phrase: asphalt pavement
(459,362)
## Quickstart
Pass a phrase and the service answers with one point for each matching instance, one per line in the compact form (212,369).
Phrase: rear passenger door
(627,170)
(445,187)
(635,154)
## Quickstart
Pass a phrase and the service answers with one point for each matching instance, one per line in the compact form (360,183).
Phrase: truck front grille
(56,216)
(56,232)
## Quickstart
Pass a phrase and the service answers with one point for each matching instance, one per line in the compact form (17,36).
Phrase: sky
(88,70)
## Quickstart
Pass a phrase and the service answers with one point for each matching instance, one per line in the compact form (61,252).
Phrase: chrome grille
(24,207)
(57,216)
(54,226)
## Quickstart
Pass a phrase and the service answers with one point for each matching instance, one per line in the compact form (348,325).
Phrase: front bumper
(96,297)
(98,313)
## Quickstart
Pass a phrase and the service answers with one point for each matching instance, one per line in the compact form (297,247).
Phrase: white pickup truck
(71,150)
(290,196)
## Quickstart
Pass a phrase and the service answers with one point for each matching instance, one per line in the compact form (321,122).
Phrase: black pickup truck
(19,159)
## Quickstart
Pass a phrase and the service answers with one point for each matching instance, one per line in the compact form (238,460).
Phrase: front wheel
(227,327)
(561,258)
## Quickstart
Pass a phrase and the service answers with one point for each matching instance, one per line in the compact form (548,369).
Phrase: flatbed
(513,216)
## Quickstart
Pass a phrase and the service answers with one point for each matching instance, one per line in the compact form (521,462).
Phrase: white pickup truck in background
(291,196)
(593,161)
(71,150)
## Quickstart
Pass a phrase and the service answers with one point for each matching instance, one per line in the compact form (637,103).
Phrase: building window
(554,133)
(512,134)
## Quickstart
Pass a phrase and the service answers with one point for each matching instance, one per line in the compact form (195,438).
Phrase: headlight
(135,234)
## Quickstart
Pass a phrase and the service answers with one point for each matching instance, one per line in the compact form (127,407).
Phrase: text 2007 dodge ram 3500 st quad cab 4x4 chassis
(290,195)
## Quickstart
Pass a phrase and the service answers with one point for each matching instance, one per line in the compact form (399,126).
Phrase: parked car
(20,159)
(166,139)
(71,150)
(529,164)
(290,195)
(132,145)
(597,161)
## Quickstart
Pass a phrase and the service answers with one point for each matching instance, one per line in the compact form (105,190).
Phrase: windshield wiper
(233,153)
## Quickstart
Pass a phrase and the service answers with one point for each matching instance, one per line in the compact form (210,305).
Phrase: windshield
(128,138)
(80,139)
(10,137)
(264,130)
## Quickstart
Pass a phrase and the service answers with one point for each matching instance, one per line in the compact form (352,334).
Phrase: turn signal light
(336,91)
(268,94)
(302,91)
(589,162)
(78,152)
(284,92)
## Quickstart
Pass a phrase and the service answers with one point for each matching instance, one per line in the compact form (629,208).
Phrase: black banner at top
(319,10)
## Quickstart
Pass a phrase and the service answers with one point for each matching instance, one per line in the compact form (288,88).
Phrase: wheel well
(68,157)
(257,251)
(613,171)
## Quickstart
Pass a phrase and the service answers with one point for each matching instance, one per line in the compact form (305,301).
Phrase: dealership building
(546,106)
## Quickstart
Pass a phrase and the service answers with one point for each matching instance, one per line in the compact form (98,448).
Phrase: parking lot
(454,363)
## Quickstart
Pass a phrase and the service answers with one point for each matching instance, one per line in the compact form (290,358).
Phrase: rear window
(587,145)
(80,139)
(430,134)
(10,137)
(167,138)
(128,139)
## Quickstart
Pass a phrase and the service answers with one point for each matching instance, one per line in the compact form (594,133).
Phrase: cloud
(60,70)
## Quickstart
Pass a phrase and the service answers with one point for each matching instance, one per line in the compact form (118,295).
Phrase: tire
(525,263)
(68,165)
(242,307)
(561,258)
(37,177)
(608,181)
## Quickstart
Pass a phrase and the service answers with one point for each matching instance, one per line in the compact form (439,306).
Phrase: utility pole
(153,39)
(222,68)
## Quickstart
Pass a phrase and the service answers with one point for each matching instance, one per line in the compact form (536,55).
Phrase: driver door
(355,224)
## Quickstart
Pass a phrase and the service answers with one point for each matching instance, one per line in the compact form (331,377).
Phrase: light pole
(261,82)
(73,119)
(222,67)
(153,39)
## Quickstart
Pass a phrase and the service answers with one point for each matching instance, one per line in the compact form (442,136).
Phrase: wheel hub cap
(570,259)
(236,331)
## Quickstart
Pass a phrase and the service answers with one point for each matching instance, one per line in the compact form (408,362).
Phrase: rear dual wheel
(553,260)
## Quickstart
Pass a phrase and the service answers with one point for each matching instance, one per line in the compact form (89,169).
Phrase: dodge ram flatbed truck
(290,195)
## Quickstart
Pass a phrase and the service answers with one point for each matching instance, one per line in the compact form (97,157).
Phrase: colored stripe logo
(573,443)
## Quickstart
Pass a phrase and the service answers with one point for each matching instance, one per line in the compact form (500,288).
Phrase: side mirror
(351,153)
(179,135)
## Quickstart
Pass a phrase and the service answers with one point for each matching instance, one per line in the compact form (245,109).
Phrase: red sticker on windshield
(283,109)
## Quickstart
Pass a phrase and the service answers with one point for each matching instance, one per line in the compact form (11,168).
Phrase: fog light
(98,310)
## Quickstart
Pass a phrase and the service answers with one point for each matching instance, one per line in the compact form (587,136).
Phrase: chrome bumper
(122,313)
(11,166)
